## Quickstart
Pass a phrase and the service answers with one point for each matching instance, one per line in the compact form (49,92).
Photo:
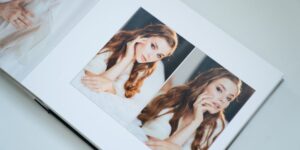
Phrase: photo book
(137,74)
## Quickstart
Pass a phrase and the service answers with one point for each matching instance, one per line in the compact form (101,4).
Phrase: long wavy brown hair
(180,99)
(140,71)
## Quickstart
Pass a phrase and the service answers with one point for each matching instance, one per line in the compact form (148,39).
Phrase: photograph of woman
(128,59)
(192,108)
(131,67)
(30,29)
(23,24)
(188,115)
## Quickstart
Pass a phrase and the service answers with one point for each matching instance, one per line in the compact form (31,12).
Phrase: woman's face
(151,49)
(219,94)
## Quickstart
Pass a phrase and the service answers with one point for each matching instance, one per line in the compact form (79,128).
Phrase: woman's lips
(216,105)
(213,105)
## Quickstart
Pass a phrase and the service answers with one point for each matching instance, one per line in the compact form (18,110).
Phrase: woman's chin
(139,61)
(212,111)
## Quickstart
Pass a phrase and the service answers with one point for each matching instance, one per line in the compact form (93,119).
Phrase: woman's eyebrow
(223,87)
(231,95)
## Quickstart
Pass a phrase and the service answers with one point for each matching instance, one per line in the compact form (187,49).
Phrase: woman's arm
(101,80)
(182,135)
(114,72)
(98,83)
(96,77)
(157,144)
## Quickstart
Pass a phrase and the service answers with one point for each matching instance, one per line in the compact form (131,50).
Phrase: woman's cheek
(154,59)
(226,105)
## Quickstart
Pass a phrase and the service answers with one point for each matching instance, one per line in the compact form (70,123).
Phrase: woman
(134,54)
(124,76)
(187,116)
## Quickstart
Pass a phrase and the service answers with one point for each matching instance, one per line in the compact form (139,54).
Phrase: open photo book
(137,74)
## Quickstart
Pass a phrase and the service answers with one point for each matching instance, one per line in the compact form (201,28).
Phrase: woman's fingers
(204,96)
(90,83)
(130,50)
(17,15)
(15,24)
(156,144)
(98,84)
(155,147)
(25,22)
(201,100)
(90,86)
(199,106)
(94,79)
(25,17)
(28,13)
(26,1)
(13,19)
(18,2)
(139,39)
(18,24)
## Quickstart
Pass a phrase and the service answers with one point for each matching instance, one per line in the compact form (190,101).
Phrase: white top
(118,106)
(161,129)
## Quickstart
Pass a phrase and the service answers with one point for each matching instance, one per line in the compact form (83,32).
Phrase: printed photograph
(30,29)
(132,66)
(193,107)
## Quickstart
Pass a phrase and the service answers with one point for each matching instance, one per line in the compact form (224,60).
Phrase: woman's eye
(152,46)
(228,99)
(219,89)
(159,56)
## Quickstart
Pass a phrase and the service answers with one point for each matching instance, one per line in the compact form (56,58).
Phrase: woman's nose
(148,56)
(222,100)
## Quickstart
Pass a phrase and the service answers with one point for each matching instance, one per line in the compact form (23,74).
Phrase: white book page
(51,79)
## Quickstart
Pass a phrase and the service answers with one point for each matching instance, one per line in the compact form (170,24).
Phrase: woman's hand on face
(15,13)
(199,107)
(157,144)
(98,83)
(130,49)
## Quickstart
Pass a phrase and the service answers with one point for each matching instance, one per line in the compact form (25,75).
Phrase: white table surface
(270,28)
